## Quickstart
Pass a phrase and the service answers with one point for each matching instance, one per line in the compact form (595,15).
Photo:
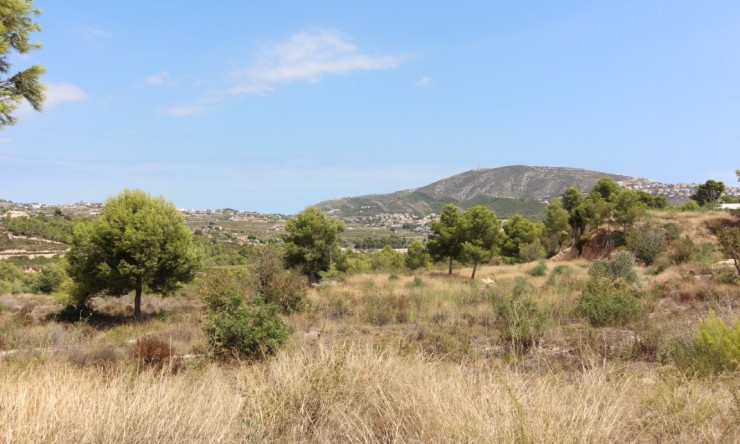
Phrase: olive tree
(139,242)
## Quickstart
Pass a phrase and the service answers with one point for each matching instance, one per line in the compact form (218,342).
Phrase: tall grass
(358,394)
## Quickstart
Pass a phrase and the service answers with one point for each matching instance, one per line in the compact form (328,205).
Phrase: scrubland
(513,356)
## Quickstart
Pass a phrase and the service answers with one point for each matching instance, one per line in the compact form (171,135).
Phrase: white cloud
(305,56)
(308,56)
(94,34)
(61,92)
(157,79)
(425,82)
(187,109)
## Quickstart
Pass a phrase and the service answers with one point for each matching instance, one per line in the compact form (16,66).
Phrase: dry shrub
(104,356)
(152,352)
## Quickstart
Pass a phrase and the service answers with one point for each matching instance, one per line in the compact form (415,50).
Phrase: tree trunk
(137,300)
(475,265)
(449,269)
(737,264)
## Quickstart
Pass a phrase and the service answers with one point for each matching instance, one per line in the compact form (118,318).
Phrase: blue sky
(273,106)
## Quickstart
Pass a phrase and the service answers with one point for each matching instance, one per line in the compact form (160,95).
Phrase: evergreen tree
(16,23)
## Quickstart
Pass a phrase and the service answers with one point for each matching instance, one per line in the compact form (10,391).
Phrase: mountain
(507,190)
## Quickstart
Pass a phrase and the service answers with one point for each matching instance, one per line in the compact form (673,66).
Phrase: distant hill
(507,190)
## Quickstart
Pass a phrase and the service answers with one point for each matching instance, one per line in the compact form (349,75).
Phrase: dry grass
(358,394)
(412,358)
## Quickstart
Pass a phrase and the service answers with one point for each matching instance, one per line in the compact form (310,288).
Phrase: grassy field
(390,357)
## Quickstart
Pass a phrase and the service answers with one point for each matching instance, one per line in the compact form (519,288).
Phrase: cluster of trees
(57,227)
(46,281)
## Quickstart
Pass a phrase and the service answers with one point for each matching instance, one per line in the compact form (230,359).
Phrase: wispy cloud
(157,79)
(188,109)
(94,34)
(425,82)
(61,92)
(308,56)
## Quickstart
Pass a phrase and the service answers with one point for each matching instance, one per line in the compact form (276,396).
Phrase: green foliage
(278,286)
(729,241)
(715,348)
(241,328)
(138,241)
(647,242)
(370,243)
(571,199)
(532,251)
(480,232)
(520,232)
(609,309)
(609,297)
(56,228)
(417,256)
(628,208)
(607,188)
(708,192)
(311,241)
(619,272)
(556,224)
(539,270)
(49,280)
(683,250)
(521,323)
(690,206)
(16,23)
(387,259)
(445,239)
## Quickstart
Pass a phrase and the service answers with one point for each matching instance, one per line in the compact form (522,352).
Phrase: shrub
(532,251)
(715,347)
(241,327)
(647,242)
(287,289)
(609,297)
(539,270)
(683,250)
(617,273)
(152,352)
(672,232)
(690,206)
(521,323)
(609,309)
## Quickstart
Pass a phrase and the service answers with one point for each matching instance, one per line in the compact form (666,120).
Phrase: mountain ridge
(513,189)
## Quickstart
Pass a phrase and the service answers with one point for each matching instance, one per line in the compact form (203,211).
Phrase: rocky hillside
(507,190)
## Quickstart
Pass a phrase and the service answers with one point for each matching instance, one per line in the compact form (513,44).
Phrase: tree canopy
(708,192)
(138,242)
(480,233)
(16,23)
(444,240)
(311,241)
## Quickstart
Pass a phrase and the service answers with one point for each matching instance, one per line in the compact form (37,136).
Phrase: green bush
(609,309)
(520,322)
(715,348)
(647,242)
(683,250)
(240,330)
(239,326)
(609,296)
(539,270)
(617,273)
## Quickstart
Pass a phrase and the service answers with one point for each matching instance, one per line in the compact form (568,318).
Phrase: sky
(274,106)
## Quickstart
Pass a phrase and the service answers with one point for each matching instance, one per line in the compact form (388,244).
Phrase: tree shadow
(99,320)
